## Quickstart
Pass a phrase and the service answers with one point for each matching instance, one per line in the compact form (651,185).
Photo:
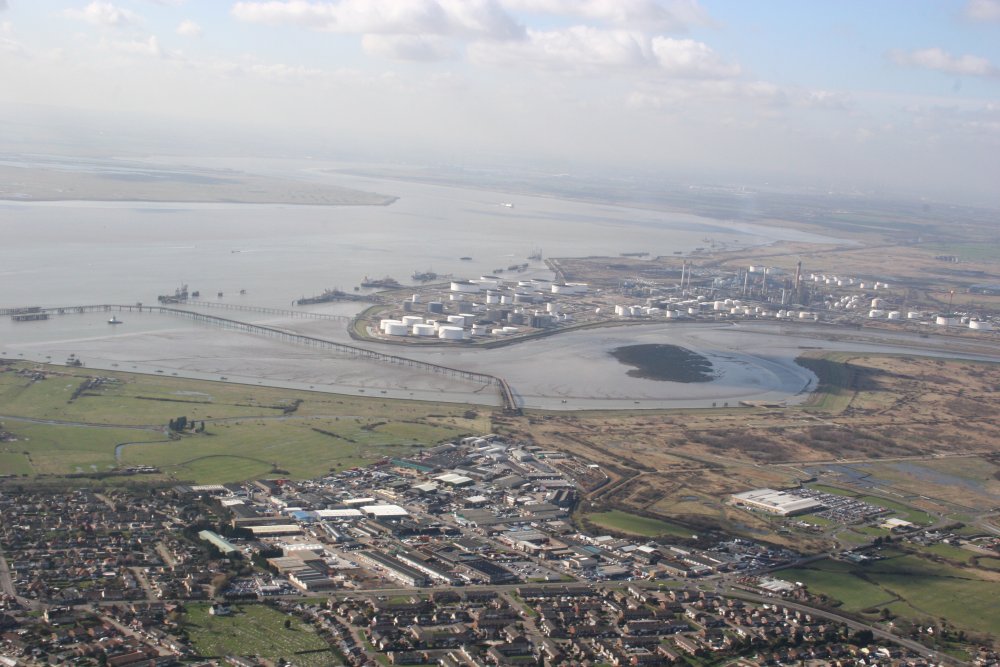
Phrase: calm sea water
(67,253)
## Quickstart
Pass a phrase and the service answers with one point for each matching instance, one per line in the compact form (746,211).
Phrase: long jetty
(506,394)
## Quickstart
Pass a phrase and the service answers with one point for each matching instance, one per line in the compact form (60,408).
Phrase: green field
(249,431)
(913,587)
(236,450)
(636,525)
(905,512)
(256,630)
(46,449)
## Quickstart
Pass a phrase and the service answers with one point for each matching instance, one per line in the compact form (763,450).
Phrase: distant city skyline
(890,96)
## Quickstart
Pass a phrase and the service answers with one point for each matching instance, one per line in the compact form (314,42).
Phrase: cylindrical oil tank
(423,330)
(397,329)
(451,333)
(979,325)
(384,324)
(457,320)
(410,320)
(894,315)
(875,312)
(435,307)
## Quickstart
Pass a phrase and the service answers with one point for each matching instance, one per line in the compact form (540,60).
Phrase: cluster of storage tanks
(693,307)
(840,281)
(455,327)
(528,290)
(956,320)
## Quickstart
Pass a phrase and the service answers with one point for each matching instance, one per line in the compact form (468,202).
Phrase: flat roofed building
(781,503)
(219,542)
(274,531)
(340,514)
(384,511)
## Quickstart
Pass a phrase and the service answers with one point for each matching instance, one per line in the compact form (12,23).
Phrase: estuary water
(75,253)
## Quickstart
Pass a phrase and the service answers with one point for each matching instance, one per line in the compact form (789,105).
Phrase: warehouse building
(781,503)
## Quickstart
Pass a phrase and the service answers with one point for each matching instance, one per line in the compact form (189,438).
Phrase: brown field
(883,408)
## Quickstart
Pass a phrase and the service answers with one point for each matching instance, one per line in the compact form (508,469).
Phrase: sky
(899,96)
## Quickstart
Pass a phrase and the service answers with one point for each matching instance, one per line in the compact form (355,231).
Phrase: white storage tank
(805,315)
(718,305)
(946,321)
(506,299)
(397,329)
(510,330)
(875,312)
(410,320)
(895,315)
(878,303)
(465,287)
(435,307)
(552,307)
(979,325)
(423,329)
(673,314)
(384,324)
(479,330)
(492,298)
(913,315)
(451,333)
(457,320)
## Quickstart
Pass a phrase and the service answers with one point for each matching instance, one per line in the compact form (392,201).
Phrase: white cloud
(483,18)
(189,28)
(407,47)
(7,42)
(940,60)
(730,93)
(688,58)
(3,5)
(146,47)
(103,14)
(648,15)
(584,50)
(983,10)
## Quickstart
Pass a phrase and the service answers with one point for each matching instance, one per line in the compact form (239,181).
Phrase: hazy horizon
(897,98)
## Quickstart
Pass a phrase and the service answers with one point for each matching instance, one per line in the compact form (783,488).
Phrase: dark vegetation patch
(664,363)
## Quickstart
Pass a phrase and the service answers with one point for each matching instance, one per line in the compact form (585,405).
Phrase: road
(851,623)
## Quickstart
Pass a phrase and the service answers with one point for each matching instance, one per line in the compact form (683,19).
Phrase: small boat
(114,320)
(465,259)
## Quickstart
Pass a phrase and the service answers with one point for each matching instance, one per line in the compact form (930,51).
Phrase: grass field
(303,447)
(913,587)
(905,512)
(249,431)
(636,525)
(255,630)
(59,450)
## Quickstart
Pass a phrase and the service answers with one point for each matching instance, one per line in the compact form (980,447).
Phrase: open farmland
(59,421)
(916,589)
